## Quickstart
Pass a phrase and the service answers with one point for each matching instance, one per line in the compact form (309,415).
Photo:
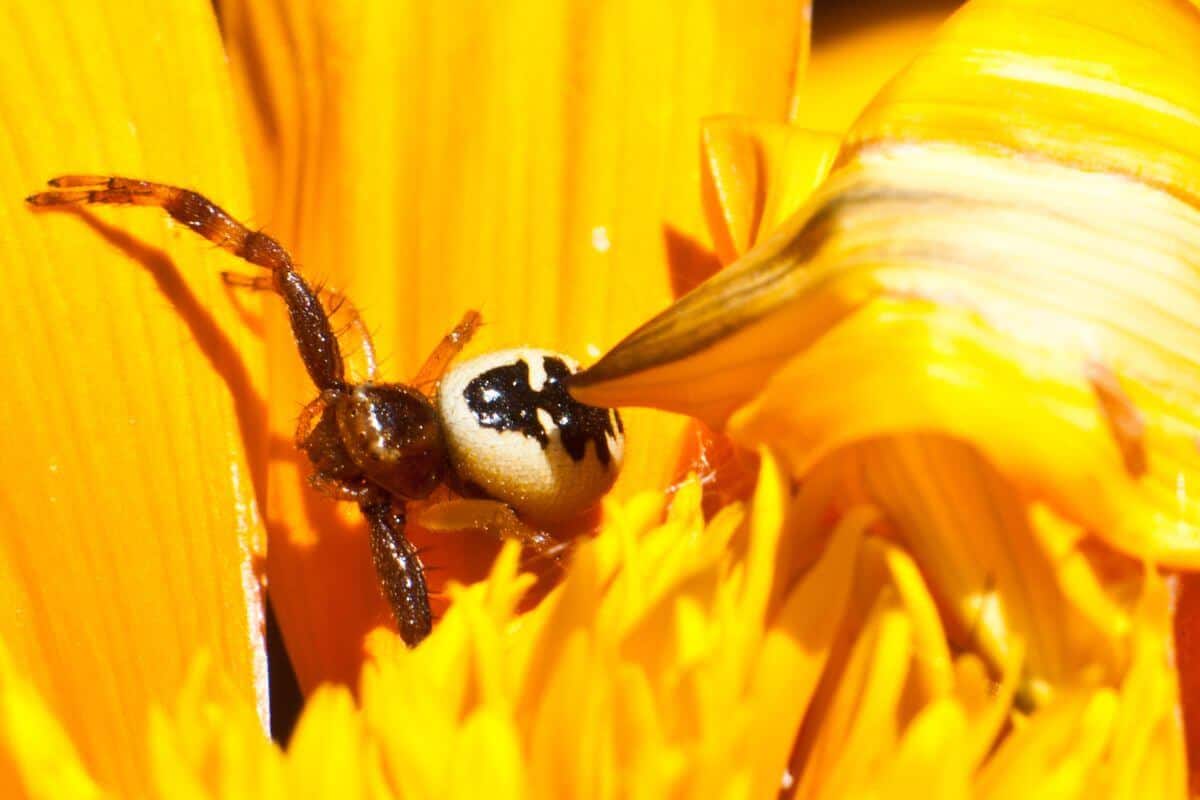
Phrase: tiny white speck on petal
(787,780)
(600,239)
(593,351)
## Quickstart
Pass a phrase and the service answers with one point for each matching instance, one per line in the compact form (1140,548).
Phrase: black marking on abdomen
(503,399)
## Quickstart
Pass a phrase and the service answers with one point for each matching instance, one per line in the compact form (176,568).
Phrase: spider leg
(495,519)
(310,416)
(336,302)
(310,324)
(399,568)
(450,346)
(255,283)
(335,489)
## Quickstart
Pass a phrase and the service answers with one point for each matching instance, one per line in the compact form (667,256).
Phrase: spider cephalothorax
(501,425)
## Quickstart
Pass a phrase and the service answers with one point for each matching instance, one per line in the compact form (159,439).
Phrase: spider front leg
(451,345)
(311,329)
(365,368)
(396,561)
(398,566)
(494,519)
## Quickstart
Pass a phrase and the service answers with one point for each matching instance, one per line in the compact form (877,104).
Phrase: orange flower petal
(128,507)
(537,162)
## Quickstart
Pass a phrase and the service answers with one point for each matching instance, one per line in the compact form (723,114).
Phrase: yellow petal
(795,650)
(927,761)
(567,699)
(1007,577)
(329,754)
(207,741)
(129,518)
(428,159)
(962,236)
(1010,260)
(933,667)
(39,759)
(986,703)
(1116,743)
(488,761)
(856,49)
(940,362)
(1105,86)
(1141,510)
(1054,755)
(861,725)
(1147,748)
(757,174)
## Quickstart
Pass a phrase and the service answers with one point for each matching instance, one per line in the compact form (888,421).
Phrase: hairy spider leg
(310,325)
(451,345)
(396,561)
(400,571)
(397,564)
(336,302)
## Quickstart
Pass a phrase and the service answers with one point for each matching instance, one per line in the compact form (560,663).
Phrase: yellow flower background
(957,329)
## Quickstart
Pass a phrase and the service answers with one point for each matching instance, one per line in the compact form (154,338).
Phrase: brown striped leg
(310,325)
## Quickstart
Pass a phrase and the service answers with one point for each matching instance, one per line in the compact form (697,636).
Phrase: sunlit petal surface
(537,161)
(857,48)
(129,525)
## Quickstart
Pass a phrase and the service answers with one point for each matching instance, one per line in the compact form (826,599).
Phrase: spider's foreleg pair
(310,325)
(396,561)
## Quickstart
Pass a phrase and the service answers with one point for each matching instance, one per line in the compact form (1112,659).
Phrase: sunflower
(956,333)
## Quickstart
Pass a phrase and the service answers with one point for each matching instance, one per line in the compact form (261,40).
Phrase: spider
(501,426)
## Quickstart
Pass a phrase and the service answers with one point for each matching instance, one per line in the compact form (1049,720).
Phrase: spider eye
(512,429)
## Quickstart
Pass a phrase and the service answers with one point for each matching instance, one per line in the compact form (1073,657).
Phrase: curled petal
(1052,286)
(756,175)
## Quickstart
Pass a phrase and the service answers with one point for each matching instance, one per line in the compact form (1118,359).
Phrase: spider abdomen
(512,429)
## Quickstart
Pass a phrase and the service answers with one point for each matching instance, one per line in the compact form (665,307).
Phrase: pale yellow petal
(796,649)
(488,760)
(861,724)
(37,757)
(1147,749)
(930,760)
(1050,756)
(932,666)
